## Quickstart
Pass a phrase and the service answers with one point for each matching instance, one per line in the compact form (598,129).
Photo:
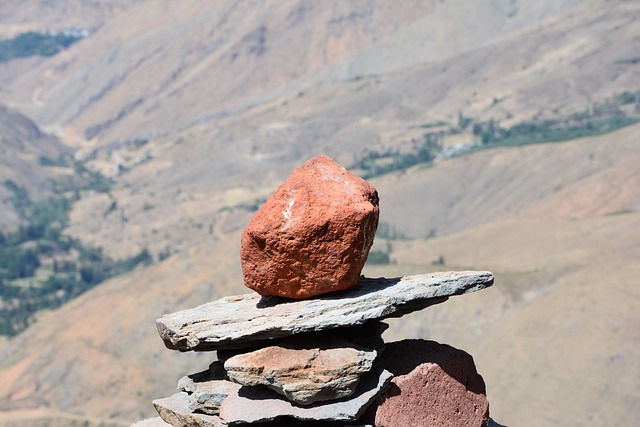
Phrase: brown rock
(434,385)
(305,369)
(313,235)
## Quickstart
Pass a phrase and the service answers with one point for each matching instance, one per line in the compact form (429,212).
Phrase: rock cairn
(307,348)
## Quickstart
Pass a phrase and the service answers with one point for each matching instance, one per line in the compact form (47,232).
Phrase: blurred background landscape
(138,137)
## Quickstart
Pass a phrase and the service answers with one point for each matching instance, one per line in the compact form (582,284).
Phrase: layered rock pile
(307,348)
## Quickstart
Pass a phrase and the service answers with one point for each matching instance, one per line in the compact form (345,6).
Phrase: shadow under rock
(404,356)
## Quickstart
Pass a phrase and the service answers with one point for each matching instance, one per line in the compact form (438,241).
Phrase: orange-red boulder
(313,235)
(434,385)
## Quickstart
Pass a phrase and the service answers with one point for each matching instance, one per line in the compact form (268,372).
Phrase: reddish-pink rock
(435,385)
(313,235)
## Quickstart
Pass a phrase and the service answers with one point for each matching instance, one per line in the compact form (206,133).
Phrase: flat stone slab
(304,368)
(209,395)
(241,321)
(175,411)
(259,404)
(151,422)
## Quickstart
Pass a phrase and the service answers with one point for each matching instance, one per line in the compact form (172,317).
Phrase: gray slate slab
(175,411)
(151,422)
(241,321)
(259,404)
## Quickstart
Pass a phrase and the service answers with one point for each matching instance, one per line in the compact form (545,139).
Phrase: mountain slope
(23,147)
(104,360)
(536,335)
(124,80)
(341,111)
(556,337)
(198,111)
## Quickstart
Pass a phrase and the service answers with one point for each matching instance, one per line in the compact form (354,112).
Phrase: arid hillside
(194,112)
(559,322)
(232,150)
(23,147)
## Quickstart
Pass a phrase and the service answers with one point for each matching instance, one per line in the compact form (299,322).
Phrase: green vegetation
(92,180)
(602,117)
(376,163)
(380,253)
(41,267)
(439,261)
(378,257)
(389,232)
(95,180)
(620,212)
(59,162)
(37,44)
(611,114)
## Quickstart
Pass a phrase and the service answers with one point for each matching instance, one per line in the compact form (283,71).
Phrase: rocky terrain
(23,145)
(198,112)
(307,346)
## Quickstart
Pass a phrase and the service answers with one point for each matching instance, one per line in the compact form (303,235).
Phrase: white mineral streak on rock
(287,213)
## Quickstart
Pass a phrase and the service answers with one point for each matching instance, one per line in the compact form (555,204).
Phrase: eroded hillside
(197,111)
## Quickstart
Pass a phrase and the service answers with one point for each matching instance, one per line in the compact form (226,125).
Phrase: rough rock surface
(151,422)
(209,395)
(190,383)
(313,235)
(244,320)
(175,411)
(435,385)
(305,369)
(259,404)
(207,389)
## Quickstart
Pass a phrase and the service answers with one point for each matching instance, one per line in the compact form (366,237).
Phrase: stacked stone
(307,347)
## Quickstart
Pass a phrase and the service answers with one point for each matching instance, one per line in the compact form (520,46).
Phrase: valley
(194,113)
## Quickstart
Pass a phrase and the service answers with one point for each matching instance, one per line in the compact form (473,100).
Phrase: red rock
(434,385)
(313,235)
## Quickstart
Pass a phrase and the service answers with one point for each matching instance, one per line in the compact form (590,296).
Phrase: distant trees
(601,117)
(42,268)
(376,163)
(38,44)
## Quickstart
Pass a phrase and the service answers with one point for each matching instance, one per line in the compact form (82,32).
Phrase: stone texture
(175,411)
(151,422)
(304,369)
(435,385)
(207,389)
(190,383)
(313,235)
(209,395)
(259,404)
(242,321)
